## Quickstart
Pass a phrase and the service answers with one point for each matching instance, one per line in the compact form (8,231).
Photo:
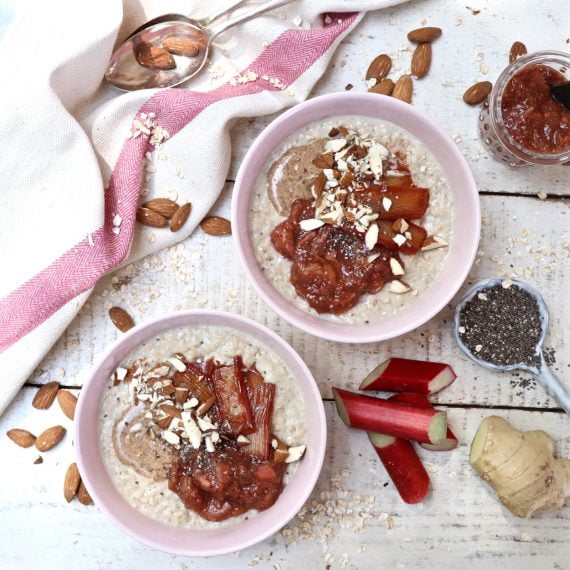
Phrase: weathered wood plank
(472,48)
(461,523)
(526,233)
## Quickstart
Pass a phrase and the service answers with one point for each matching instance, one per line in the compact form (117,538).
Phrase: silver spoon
(542,372)
(126,73)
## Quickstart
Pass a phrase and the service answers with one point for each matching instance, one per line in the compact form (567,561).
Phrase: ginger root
(520,466)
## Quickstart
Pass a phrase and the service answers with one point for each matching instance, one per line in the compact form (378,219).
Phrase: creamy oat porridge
(195,416)
(351,218)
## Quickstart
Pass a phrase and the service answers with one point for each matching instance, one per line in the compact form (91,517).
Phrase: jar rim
(495,113)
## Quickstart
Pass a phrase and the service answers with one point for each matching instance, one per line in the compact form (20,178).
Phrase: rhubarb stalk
(381,416)
(404,375)
(421,401)
(403,466)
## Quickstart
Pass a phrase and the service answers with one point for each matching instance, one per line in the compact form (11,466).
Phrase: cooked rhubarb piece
(403,465)
(404,375)
(261,399)
(381,416)
(421,401)
(408,202)
(234,412)
(411,240)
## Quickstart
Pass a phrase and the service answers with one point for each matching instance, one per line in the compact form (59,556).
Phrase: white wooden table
(354,518)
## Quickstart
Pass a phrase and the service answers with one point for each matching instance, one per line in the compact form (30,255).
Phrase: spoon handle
(212,17)
(553,386)
(257,11)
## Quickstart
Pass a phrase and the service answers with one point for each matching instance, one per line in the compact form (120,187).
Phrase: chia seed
(502,326)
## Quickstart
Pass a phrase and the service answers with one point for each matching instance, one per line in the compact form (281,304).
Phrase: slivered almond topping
(399,240)
(295,453)
(399,287)
(371,237)
(433,242)
(311,224)
(396,267)
(400,225)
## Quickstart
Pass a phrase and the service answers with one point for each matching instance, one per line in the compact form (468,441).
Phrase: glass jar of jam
(521,123)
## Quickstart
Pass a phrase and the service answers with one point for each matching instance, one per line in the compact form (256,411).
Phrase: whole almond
(121,319)
(379,68)
(49,438)
(517,49)
(148,217)
(21,437)
(181,46)
(71,482)
(477,93)
(162,206)
(67,402)
(180,217)
(385,87)
(45,396)
(421,60)
(403,89)
(422,35)
(83,495)
(154,57)
(216,226)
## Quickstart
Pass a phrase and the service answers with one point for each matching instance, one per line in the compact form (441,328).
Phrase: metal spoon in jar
(163,68)
(541,371)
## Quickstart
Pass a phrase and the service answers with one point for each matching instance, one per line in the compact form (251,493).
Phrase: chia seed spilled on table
(502,325)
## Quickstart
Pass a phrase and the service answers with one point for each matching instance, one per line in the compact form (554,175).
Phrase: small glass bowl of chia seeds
(501,324)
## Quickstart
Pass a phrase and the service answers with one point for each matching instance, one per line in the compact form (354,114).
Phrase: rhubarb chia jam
(522,123)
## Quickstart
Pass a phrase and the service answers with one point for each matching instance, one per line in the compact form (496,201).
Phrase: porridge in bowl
(351,218)
(201,427)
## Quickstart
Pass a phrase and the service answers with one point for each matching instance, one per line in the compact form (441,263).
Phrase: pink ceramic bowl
(197,542)
(466,225)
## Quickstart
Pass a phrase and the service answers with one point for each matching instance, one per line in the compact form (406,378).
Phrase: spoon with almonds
(172,48)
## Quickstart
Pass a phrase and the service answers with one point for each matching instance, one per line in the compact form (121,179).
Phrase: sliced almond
(163,206)
(172,411)
(21,437)
(154,57)
(216,226)
(164,423)
(180,216)
(396,267)
(45,396)
(422,35)
(148,217)
(296,453)
(433,242)
(49,438)
(67,402)
(121,319)
(281,452)
(371,237)
(385,87)
(181,395)
(83,495)
(517,50)
(421,60)
(403,89)
(242,441)
(181,46)
(311,224)
(71,482)
(399,287)
(400,225)
(205,406)
(379,68)
(477,93)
